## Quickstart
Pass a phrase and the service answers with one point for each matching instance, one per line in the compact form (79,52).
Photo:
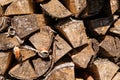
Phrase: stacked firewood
(59,39)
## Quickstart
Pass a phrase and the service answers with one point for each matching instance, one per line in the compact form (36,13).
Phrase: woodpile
(59,40)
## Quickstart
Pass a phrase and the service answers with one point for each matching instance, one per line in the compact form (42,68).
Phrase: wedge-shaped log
(5,60)
(99,26)
(60,48)
(117,76)
(75,6)
(55,9)
(74,32)
(82,57)
(39,1)
(116,28)
(110,47)
(25,25)
(4,23)
(7,42)
(79,79)
(114,4)
(41,66)
(62,72)
(24,71)
(103,69)
(20,7)
(5,2)
(26,53)
(44,39)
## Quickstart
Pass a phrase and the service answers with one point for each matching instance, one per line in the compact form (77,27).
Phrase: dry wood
(110,47)
(79,79)
(62,72)
(7,42)
(116,28)
(41,66)
(99,26)
(1,10)
(117,76)
(75,6)
(114,4)
(20,7)
(89,78)
(25,25)
(5,60)
(5,2)
(44,37)
(55,9)
(26,53)
(4,23)
(103,69)
(82,57)
(74,31)
(24,71)
(60,48)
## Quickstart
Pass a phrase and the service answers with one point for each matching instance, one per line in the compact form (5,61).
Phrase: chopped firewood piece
(25,25)
(4,23)
(24,71)
(1,10)
(7,42)
(23,53)
(93,7)
(5,60)
(41,66)
(61,47)
(114,4)
(117,76)
(74,32)
(20,7)
(110,47)
(55,9)
(44,39)
(103,69)
(82,58)
(89,78)
(116,28)
(75,6)
(99,26)
(63,72)
(5,2)
(79,79)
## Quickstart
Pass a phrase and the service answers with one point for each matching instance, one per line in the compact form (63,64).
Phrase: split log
(114,4)
(20,7)
(44,37)
(79,79)
(1,10)
(7,42)
(4,23)
(39,1)
(117,76)
(5,60)
(41,66)
(74,32)
(24,71)
(116,28)
(75,6)
(110,47)
(24,25)
(99,26)
(103,69)
(55,9)
(26,53)
(82,57)
(93,8)
(60,48)
(89,78)
(5,2)
(63,72)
